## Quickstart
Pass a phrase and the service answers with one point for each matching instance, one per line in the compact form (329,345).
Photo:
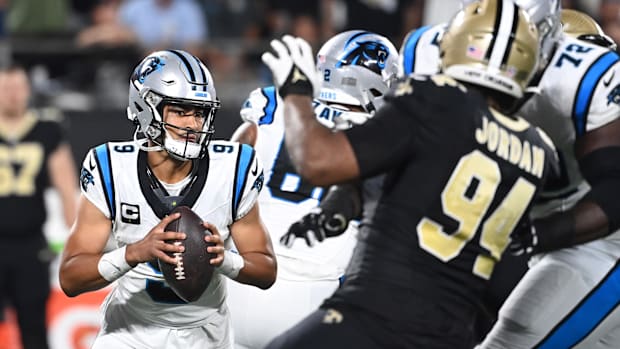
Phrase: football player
(460,175)
(578,104)
(34,155)
(356,67)
(128,190)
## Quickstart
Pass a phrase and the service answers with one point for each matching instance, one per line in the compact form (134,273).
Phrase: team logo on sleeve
(258,183)
(86,178)
(614,96)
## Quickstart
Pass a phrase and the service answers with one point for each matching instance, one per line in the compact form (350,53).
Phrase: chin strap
(175,148)
(142,143)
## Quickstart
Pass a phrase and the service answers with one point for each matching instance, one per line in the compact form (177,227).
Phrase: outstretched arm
(319,155)
(246,133)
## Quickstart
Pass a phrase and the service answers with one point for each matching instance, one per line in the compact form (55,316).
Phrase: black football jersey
(459,177)
(24,160)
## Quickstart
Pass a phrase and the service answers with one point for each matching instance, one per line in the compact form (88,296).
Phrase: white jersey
(419,52)
(306,275)
(287,197)
(578,93)
(225,186)
(575,288)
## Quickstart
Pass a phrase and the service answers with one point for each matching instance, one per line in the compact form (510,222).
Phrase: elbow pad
(601,169)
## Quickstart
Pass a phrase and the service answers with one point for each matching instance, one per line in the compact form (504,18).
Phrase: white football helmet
(357,67)
(171,77)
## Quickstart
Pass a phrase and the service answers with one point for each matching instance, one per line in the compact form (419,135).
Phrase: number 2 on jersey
(469,209)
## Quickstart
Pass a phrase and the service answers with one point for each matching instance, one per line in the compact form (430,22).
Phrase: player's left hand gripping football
(216,244)
(293,67)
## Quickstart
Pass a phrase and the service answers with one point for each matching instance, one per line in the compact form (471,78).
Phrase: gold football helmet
(491,43)
(581,26)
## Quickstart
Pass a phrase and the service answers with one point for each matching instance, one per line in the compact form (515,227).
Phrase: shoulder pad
(260,106)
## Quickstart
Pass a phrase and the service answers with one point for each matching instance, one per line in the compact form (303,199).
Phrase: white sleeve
(91,183)
(419,53)
(249,180)
(260,106)
(605,105)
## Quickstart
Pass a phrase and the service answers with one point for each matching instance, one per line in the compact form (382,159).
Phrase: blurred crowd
(78,52)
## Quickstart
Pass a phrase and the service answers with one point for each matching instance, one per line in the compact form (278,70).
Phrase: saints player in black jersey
(34,154)
(460,175)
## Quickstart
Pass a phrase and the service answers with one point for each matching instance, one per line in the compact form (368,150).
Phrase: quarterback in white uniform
(128,191)
(306,275)
(567,299)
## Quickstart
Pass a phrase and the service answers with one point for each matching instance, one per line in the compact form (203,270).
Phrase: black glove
(524,239)
(315,226)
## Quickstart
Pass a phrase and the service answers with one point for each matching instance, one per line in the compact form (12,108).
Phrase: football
(191,275)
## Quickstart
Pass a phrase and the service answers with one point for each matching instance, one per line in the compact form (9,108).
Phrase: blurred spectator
(166,24)
(299,18)
(610,18)
(390,18)
(106,28)
(37,16)
(33,155)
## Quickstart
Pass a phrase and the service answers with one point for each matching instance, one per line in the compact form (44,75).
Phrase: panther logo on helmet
(148,66)
(370,54)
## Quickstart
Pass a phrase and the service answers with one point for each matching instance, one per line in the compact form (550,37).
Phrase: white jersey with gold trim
(224,187)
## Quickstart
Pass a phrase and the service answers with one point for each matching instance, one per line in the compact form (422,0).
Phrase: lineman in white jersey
(567,298)
(128,190)
(357,66)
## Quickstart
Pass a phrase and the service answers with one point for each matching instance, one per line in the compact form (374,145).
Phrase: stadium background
(88,85)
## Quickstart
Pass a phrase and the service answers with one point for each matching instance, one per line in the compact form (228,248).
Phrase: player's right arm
(81,267)
(259,108)
(246,133)
(84,265)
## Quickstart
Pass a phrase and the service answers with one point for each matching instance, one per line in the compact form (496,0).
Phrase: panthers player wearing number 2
(461,173)
(128,190)
(357,66)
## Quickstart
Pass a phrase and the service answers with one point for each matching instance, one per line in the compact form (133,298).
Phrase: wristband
(112,265)
(232,264)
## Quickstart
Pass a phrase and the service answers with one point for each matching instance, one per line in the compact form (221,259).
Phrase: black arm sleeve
(596,215)
(601,169)
(383,141)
